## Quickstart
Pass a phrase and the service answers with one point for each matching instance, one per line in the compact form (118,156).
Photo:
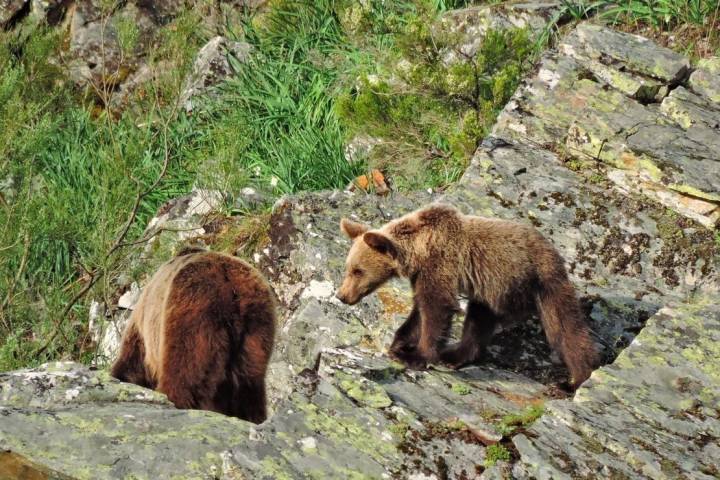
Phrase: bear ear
(352,229)
(381,243)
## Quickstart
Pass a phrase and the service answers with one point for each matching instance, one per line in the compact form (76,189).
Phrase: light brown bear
(506,269)
(202,333)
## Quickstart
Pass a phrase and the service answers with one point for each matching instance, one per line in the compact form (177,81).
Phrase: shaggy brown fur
(202,333)
(506,269)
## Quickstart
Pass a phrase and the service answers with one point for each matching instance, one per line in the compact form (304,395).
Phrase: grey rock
(689,110)
(110,44)
(359,148)
(652,414)
(95,55)
(211,67)
(129,299)
(341,408)
(9,10)
(470,25)
(625,51)
(594,100)
(83,424)
(706,79)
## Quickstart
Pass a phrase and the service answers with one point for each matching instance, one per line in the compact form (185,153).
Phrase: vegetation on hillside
(689,26)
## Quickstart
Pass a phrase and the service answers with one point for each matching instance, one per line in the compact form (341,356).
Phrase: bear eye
(357,272)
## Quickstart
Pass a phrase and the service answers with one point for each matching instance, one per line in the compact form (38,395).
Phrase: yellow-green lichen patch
(346,429)
(695,192)
(461,388)
(362,390)
(270,467)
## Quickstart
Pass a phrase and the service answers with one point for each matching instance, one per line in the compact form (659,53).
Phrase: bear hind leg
(194,360)
(249,400)
(130,364)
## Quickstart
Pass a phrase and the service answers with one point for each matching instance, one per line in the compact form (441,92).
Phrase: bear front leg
(437,308)
(407,336)
(480,322)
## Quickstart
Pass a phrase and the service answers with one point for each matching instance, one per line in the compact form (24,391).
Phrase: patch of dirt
(696,40)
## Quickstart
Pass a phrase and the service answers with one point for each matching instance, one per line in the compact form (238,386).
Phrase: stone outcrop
(109,45)
(470,25)
(211,67)
(622,100)
(341,409)
(652,414)
(10,10)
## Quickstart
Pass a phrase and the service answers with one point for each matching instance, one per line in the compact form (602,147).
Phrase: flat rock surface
(84,424)
(342,409)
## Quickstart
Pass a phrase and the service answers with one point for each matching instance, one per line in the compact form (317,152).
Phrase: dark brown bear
(506,269)
(202,333)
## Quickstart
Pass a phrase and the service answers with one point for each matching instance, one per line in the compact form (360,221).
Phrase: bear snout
(346,299)
(342,297)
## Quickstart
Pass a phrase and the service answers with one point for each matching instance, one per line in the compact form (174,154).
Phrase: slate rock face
(110,44)
(211,67)
(597,97)
(470,25)
(652,414)
(84,424)
(9,10)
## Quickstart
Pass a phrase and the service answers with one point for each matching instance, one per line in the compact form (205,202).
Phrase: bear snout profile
(202,333)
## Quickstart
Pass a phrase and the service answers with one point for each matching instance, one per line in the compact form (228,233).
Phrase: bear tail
(566,330)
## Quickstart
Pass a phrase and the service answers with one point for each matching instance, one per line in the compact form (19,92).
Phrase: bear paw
(410,358)
(455,357)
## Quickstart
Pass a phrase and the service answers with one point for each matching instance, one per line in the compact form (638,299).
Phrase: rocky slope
(608,149)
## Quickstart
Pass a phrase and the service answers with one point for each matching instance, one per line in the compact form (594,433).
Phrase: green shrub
(432,116)
(496,453)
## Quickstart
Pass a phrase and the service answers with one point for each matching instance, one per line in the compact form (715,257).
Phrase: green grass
(461,388)
(511,422)
(74,171)
(665,14)
(278,104)
(73,181)
(320,73)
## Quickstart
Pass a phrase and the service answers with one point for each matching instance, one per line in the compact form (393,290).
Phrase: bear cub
(507,270)
(202,333)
